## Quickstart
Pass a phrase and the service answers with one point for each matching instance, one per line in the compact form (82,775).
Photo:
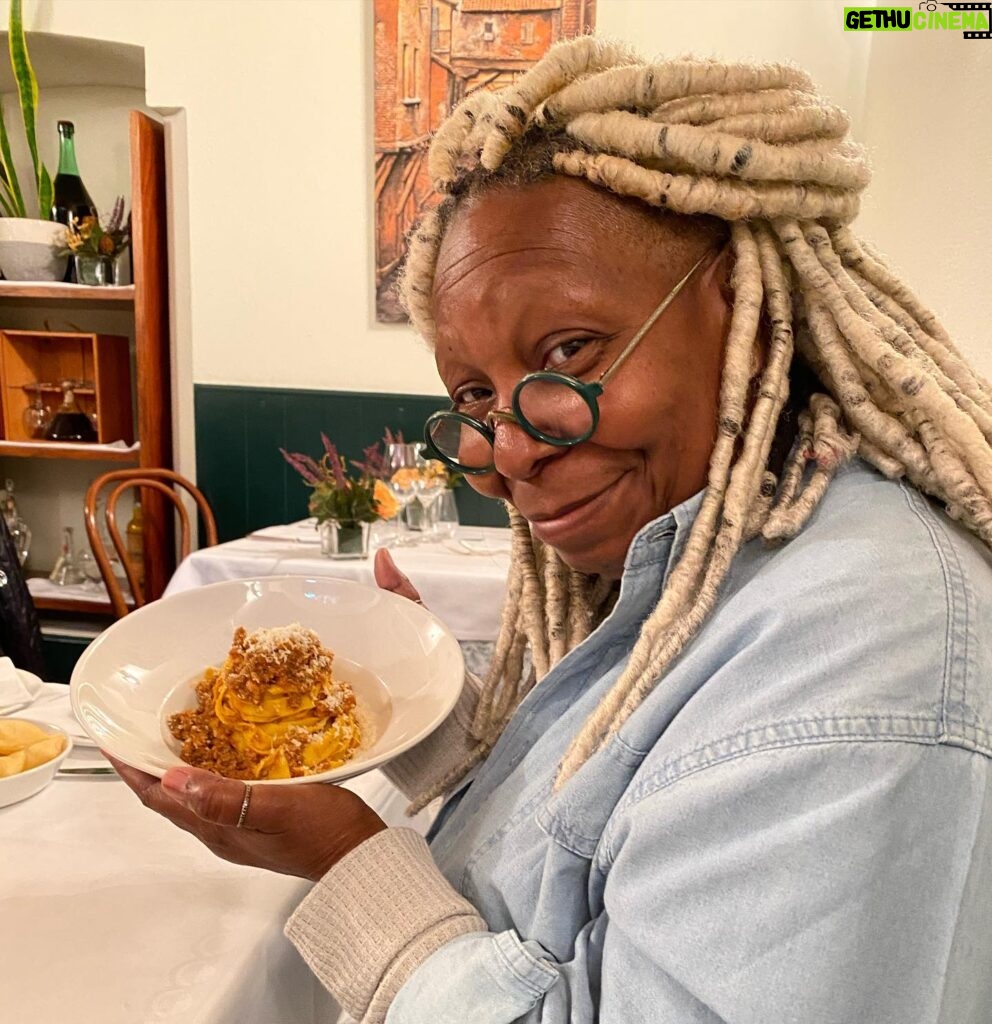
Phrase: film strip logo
(968,34)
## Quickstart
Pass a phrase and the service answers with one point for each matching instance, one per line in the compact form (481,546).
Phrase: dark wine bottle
(70,196)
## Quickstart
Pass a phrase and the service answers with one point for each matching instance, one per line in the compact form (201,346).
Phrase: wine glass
(402,462)
(37,416)
(430,483)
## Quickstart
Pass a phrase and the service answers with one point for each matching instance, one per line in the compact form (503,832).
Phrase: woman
(752,783)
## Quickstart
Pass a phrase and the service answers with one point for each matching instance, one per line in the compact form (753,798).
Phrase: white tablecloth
(462,581)
(109,914)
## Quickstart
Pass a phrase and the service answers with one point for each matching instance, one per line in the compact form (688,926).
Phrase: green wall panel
(239,431)
(61,654)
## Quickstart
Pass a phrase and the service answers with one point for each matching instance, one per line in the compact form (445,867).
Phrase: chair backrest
(165,481)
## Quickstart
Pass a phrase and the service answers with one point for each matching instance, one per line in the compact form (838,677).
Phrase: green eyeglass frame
(589,391)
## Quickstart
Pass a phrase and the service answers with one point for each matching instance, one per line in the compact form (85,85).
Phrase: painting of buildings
(429,55)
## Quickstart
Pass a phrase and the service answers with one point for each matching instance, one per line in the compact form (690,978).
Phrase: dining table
(109,914)
(461,578)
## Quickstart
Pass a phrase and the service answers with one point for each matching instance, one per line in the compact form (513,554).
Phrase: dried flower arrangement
(93,237)
(339,495)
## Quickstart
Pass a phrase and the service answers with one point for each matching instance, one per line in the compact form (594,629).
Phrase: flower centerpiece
(96,246)
(345,504)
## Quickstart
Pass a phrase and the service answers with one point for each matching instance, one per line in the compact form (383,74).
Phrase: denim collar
(663,539)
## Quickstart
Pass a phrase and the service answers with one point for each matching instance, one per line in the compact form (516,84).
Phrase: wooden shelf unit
(49,604)
(38,360)
(70,293)
(70,450)
(147,300)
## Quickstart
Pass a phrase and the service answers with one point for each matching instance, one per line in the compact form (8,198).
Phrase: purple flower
(304,465)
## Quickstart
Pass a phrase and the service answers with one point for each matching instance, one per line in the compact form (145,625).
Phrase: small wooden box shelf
(28,358)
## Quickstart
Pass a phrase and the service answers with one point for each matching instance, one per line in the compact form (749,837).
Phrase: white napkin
(13,692)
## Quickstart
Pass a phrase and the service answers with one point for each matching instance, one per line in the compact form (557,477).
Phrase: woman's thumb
(388,577)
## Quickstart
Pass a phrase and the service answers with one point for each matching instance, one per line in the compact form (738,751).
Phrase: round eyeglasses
(551,407)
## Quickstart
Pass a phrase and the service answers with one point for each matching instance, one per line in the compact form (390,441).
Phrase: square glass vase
(344,540)
(93,269)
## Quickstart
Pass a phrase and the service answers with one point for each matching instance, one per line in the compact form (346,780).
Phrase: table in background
(461,580)
(109,914)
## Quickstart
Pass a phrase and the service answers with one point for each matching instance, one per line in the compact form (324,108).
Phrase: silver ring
(244,806)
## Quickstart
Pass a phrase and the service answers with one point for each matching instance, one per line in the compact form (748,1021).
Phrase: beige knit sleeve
(378,914)
(435,758)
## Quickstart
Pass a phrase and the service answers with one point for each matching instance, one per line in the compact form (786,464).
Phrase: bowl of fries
(30,755)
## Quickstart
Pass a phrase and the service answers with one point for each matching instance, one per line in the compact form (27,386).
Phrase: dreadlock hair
(756,147)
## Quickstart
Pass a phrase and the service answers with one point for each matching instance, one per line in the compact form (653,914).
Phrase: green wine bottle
(70,196)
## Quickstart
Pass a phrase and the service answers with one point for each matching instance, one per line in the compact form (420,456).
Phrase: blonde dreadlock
(756,147)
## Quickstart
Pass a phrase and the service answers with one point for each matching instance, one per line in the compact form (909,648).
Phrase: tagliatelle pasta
(272,711)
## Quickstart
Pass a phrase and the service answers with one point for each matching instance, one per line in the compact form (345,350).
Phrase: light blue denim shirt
(796,825)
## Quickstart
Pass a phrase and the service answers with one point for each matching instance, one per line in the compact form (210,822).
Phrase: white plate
(405,667)
(32,684)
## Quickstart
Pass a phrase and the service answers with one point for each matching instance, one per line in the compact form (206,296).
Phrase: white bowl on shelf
(29,249)
(14,788)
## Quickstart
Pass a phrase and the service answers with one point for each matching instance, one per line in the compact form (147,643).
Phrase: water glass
(446,516)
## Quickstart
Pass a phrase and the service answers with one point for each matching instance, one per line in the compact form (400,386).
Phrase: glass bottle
(20,532)
(135,541)
(9,503)
(70,197)
(70,423)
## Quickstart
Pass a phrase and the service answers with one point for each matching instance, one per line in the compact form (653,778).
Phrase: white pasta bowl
(405,667)
(14,788)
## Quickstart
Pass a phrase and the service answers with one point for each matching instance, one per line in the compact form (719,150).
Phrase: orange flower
(385,504)
(406,476)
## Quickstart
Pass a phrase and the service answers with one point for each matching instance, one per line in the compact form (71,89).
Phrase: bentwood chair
(166,482)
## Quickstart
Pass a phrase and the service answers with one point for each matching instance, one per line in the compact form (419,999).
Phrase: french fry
(42,751)
(12,764)
(16,734)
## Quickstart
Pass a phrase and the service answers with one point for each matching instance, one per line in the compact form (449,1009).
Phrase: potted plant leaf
(28,243)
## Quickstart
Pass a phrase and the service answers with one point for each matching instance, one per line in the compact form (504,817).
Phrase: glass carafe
(70,423)
(66,573)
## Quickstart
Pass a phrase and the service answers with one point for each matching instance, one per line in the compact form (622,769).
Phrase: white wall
(930,205)
(278,97)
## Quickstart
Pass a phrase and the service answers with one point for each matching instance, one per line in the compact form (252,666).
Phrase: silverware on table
(96,770)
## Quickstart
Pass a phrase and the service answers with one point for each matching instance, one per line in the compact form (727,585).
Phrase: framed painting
(429,55)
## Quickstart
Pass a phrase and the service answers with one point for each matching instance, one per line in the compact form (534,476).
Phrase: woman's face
(559,276)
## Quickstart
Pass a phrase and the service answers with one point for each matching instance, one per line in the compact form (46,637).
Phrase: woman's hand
(388,577)
(295,830)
